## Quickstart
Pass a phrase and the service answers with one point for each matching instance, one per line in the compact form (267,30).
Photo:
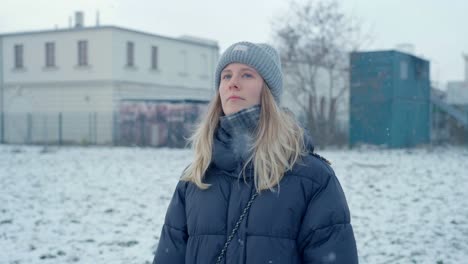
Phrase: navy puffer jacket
(307,221)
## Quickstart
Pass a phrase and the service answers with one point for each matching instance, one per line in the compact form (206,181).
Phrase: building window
(50,54)
(130,54)
(184,62)
(154,57)
(204,67)
(421,71)
(404,70)
(82,53)
(204,61)
(19,56)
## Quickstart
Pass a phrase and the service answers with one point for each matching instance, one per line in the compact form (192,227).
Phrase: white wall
(66,57)
(128,90)
(172,71)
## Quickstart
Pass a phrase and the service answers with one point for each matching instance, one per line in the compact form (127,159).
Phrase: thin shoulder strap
(236,227)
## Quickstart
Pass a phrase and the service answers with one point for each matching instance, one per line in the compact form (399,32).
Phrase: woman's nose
(233,83)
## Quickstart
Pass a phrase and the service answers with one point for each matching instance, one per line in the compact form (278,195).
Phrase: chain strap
(236,227)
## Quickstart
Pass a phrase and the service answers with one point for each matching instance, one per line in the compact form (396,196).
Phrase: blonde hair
(277,145)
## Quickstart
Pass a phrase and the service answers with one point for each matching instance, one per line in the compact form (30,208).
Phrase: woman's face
(240,87)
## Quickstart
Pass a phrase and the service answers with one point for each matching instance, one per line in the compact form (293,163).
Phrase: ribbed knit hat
(262,57)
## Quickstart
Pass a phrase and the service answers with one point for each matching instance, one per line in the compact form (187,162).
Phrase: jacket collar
(233,140)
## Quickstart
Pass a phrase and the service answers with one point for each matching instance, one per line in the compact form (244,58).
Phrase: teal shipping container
(389,99)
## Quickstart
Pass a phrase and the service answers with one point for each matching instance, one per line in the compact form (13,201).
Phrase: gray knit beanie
(262,57)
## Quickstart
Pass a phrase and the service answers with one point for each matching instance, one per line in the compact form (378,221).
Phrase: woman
(255,191)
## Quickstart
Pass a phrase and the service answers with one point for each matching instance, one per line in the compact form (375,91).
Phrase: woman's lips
(235,98)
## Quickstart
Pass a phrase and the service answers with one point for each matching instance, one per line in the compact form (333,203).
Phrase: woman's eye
(248,75)
(226,76)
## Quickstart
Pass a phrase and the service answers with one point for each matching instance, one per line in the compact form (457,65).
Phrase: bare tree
(314,39)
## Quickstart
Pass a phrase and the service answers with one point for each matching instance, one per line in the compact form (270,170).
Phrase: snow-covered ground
(107,205)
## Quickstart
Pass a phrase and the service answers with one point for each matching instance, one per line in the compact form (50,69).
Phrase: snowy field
(107,205)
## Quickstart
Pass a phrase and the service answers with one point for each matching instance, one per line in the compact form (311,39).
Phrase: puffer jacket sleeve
(173,239)
(326,234)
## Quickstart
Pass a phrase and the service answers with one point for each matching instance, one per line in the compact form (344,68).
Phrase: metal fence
(58,128)
(134,124)
(137,124)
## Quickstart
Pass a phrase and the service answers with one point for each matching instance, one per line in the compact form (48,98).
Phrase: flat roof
(395,51)
(202,42)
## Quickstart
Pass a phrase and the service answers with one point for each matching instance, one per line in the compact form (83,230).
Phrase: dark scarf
(234,138)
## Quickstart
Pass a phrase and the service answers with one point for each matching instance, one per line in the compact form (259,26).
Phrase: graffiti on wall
(158,123)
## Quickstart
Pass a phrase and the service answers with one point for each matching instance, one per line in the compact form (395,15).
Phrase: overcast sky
(437,29)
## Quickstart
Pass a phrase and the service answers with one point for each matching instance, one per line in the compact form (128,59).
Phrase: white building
(85,72)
